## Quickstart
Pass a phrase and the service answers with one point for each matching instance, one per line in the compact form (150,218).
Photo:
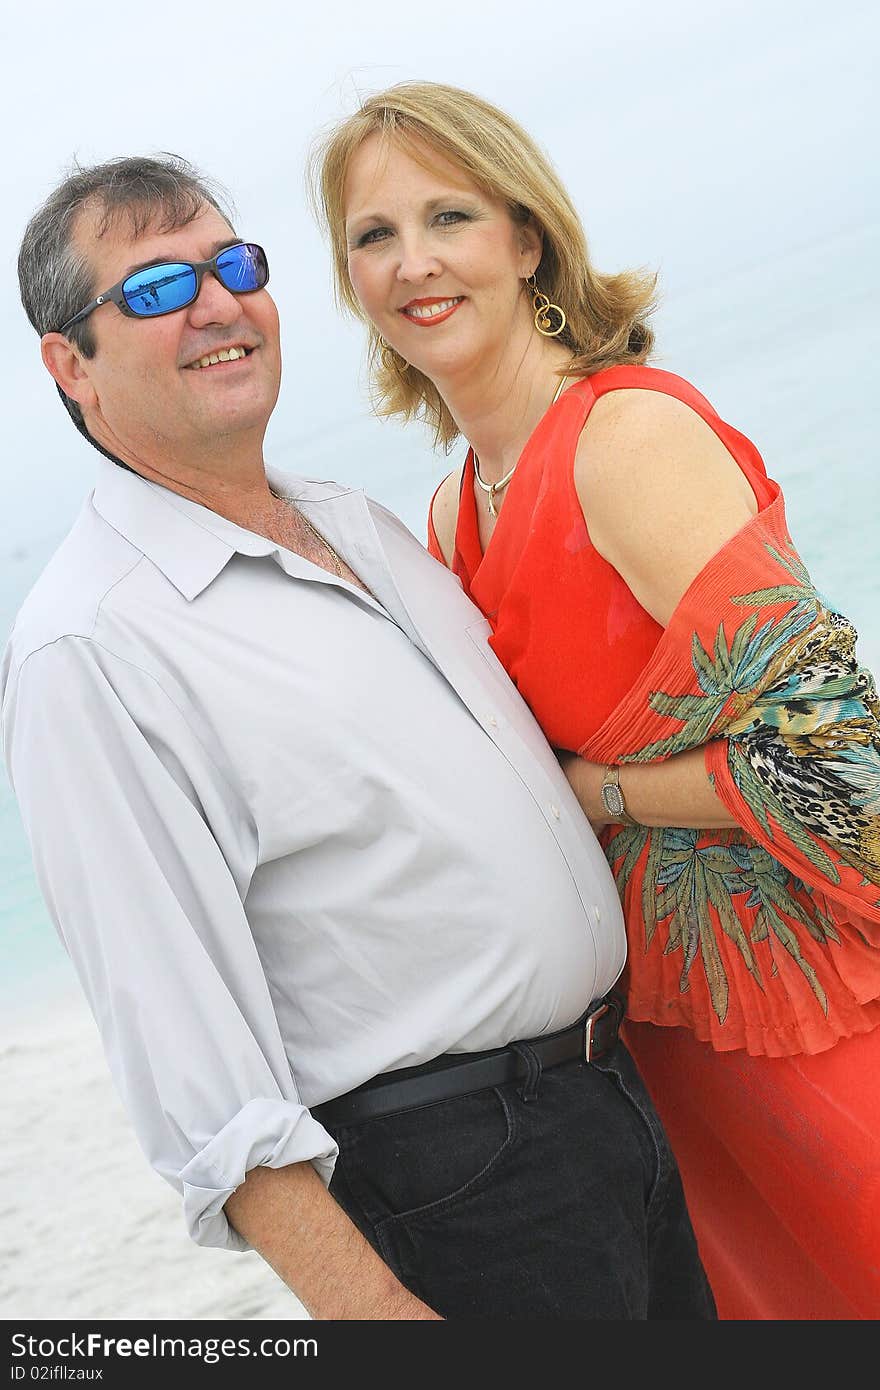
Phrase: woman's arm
(443,518)
(659,492)
(674,792)
(660,495)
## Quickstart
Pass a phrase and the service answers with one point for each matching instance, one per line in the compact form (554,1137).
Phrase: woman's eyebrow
(430,205)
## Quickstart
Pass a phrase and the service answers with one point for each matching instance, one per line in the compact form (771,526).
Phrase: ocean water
(783,348)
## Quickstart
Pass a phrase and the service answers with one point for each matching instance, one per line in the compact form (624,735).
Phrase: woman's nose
(418,262)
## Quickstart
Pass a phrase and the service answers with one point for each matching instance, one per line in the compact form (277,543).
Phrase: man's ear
(67,366)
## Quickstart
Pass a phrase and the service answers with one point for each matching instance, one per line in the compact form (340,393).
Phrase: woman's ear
(531,243)
(66,365)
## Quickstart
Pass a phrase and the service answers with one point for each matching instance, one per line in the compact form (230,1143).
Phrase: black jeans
(554,1198)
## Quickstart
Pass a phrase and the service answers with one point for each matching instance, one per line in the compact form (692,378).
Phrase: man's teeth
(428,311)
(225,355)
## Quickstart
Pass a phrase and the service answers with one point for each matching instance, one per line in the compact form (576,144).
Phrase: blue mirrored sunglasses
(161,289)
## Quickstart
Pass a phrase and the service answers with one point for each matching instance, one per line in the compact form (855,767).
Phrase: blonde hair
(606,314)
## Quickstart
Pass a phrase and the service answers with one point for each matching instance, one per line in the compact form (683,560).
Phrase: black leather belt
(460,1073)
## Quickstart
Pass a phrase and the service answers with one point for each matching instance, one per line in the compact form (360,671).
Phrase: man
(324,884)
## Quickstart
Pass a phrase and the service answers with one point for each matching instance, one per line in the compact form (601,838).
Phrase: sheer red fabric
(781,1172)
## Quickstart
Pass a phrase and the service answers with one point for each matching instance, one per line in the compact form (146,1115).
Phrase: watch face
(613,799)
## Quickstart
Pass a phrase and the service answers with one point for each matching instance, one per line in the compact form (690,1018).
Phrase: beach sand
(89,1230)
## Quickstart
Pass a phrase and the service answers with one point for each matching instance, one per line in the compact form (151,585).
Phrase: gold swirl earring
(543,310)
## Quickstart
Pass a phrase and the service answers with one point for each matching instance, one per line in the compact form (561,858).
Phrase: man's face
(154,403)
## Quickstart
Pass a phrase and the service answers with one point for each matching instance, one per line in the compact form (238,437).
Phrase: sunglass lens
(243,268)
(159,289)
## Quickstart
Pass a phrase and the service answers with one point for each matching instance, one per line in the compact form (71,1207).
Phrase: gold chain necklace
(492,488)
(340,568)
(339,564)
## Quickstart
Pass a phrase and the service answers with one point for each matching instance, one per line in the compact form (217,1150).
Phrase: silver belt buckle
(588,1031)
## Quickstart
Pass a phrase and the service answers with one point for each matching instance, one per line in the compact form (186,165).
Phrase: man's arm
(290,1217)
(144,858)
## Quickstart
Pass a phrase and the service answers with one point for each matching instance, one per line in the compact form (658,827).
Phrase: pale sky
(700,139)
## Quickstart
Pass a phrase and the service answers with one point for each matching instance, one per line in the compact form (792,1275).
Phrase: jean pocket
(425,1160)
(620,1068)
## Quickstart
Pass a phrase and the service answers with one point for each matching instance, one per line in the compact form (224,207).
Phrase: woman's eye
(373,235)
(450,217)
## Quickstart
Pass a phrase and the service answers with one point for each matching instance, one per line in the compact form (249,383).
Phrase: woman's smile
(429,312)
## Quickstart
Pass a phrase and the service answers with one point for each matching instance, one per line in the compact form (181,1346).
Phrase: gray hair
(56,279)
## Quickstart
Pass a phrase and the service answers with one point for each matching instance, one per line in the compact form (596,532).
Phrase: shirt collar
(189,543)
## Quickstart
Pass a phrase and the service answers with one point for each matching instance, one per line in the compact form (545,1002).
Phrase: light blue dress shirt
(291,835)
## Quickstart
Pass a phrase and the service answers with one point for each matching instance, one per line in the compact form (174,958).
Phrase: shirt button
(493,722)
(598,913)
(554,811)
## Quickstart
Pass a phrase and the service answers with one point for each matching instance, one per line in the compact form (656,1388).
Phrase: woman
(632,557)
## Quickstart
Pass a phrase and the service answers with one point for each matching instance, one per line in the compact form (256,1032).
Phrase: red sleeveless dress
(778,1153)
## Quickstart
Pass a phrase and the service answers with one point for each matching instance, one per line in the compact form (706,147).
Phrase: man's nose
(214,303)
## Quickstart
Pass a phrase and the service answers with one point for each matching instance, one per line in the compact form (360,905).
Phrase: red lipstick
(427,319)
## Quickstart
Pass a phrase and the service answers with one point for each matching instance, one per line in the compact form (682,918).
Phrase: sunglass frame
(116,296)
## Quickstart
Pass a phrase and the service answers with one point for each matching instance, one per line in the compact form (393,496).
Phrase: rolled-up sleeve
(144,852)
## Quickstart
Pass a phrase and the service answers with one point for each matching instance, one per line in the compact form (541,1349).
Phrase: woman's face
(436,263)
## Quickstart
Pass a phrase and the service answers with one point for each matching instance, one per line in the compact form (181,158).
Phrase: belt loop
(529,1089)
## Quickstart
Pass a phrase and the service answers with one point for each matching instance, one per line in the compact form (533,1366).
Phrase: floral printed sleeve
(766,937)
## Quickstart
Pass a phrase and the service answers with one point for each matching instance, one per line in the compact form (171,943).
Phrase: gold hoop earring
(549,318)
(391,359)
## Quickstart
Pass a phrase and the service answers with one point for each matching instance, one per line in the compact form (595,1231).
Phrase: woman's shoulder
(644,422)
(443,515)
(652,383)
(638,401)
(650,469)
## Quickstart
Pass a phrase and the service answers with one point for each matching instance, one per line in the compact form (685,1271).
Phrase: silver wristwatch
(612,796)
